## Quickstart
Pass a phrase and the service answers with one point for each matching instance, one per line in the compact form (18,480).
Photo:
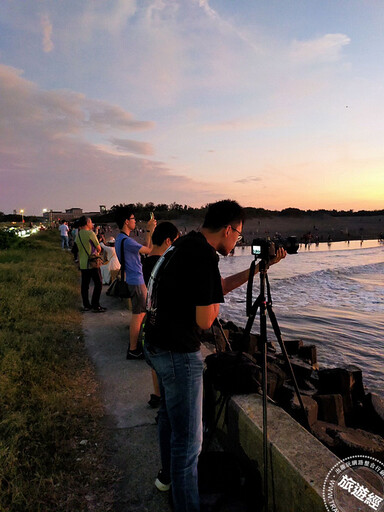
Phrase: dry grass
(52,446)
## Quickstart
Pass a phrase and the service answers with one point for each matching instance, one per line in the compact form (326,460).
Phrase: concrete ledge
(298,461)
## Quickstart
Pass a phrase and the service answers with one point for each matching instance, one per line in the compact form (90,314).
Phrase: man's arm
(95,242)
(147,247)
(206,315)
(231,282)
(234,281)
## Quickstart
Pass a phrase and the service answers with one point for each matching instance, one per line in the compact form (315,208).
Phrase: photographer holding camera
(184,296)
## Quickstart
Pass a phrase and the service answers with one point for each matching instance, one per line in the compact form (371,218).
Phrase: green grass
(48,394)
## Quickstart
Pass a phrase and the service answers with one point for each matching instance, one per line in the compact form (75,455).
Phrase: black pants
(86,276)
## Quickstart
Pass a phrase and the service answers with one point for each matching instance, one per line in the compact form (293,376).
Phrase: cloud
(248,179)
(49,155)
(324,49)
(47,33)
(133,146)
(102,115)
(110,17)
(237,125)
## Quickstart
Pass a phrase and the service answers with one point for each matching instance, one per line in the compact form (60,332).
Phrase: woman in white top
(112,266)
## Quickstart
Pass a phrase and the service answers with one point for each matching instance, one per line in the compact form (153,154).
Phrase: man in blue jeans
(184,296)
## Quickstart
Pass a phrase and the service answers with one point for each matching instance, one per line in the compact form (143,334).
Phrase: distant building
(74,212)
(69,215)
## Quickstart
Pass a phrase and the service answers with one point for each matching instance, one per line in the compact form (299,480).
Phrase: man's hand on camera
(281,254)
(151,224)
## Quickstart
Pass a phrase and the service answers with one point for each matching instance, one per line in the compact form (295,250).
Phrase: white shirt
(63,230)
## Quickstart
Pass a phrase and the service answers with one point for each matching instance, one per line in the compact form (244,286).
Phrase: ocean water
(328,295)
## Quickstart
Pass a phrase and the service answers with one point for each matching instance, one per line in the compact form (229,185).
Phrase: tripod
(265,306)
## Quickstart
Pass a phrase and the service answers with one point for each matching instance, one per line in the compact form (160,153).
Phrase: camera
(265,249)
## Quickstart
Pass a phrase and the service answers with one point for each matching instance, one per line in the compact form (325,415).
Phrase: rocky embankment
(341,413)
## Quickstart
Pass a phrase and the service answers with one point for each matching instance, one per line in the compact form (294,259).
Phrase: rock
(374,412)
(276,378)
(319,430)
(346,441)
(378,406)
(307,388)
(292,346)
(301,369)
(254,344)
(352,441)
(310,408)
(308,353)
(231,326)
(238,341)
(346,381)
(331,409)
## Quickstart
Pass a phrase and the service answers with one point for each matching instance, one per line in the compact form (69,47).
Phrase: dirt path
(125,389)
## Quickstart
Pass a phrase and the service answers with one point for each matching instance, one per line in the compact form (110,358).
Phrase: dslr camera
(265,249)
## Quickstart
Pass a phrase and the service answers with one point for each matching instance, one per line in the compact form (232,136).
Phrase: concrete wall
(298,461)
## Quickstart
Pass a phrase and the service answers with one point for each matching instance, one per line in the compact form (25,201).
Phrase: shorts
(138,294)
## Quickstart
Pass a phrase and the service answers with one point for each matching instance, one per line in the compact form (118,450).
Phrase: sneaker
(161,483)
(135,354)
(85,309)
(99,309)
(154,401)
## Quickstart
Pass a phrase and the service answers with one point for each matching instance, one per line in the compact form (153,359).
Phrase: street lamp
(22,216)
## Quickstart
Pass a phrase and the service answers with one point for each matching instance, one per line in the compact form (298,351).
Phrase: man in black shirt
(163,236)
(184,296)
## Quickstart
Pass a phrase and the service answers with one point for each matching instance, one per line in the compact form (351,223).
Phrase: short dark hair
(163,231)
(82,221)
(223,213)
(122,216)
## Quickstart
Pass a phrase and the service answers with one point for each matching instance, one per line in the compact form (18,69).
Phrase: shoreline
(336,229)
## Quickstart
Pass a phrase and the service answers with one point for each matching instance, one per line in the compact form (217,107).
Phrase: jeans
(86,276)
(64,242)
(180,378)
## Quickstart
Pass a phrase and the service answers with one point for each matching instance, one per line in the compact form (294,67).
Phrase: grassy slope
(48,395)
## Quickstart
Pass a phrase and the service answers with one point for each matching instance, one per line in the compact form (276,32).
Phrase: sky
(273,103)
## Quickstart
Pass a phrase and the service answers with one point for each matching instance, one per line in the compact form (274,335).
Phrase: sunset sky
(274,103)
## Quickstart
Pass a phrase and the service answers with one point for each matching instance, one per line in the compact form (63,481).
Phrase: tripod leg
(279,338)
(263,339)
(252,317)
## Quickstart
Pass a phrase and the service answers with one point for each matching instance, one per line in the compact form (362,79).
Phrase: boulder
(275,380)
(309,354)
(346,441)
(331,409)
(292,346)
(310,408)
(319,430)
(301,369)
(352,441)
(374,413)
(346,381)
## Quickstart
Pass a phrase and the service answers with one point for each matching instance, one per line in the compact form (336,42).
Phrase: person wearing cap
(111,267)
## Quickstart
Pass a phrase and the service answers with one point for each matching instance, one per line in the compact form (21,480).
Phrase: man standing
(63,228)
(184,296)
(87,244)
(163,237)
(134,274)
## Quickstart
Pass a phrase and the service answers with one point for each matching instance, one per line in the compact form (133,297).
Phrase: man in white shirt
(63,228)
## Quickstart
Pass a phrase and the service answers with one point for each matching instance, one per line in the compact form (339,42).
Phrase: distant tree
(292,212)
(161,208)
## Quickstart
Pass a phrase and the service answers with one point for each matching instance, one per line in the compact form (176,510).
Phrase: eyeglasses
(240,235)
